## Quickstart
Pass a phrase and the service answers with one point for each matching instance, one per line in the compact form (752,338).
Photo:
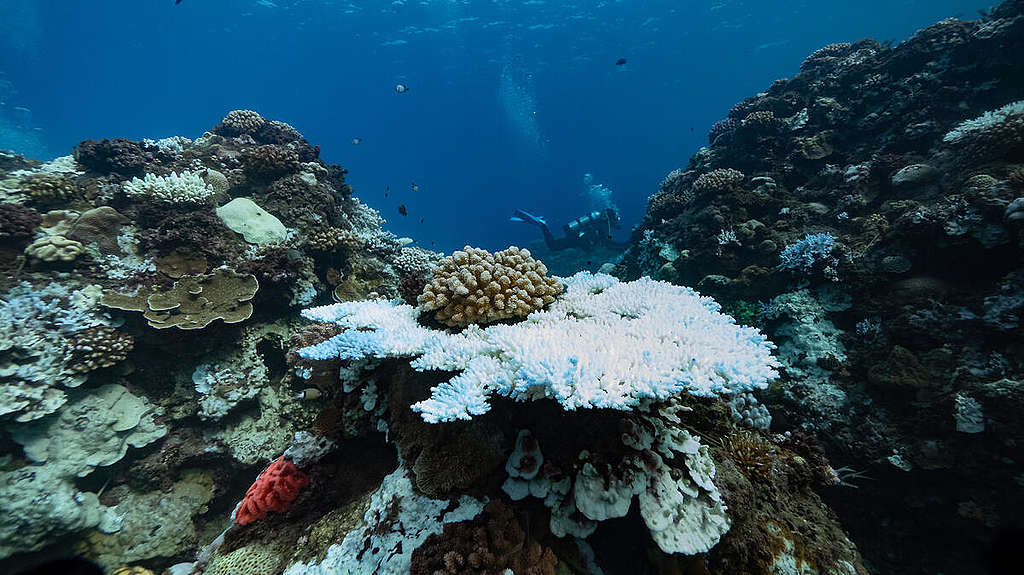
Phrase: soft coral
(274,490)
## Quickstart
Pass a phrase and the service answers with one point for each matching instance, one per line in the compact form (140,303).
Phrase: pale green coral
(94,430)
(45,505)
(156,524)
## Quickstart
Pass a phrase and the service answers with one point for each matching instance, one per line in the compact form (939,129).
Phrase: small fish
(401,88)
(415,187)
(402,210)
(309,393)
(421,220)
(387,190)
(176,2)
(357,141)
(620,62)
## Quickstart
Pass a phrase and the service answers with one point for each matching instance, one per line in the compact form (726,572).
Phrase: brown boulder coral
(476,286)
(493,543)
(269,162)
(239,122)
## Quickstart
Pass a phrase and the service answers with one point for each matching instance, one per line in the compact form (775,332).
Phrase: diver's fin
(526,217)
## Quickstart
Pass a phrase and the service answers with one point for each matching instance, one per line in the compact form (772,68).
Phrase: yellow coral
(476,286)
(54,249)
(136,570)
(253,559)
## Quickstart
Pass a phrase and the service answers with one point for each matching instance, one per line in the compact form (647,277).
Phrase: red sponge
(274,490)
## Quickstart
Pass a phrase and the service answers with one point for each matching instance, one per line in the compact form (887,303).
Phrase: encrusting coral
(476,286)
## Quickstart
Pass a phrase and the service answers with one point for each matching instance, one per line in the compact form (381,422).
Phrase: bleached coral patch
(601,344)
(174,188)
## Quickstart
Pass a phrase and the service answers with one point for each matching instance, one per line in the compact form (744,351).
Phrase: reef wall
(868,214)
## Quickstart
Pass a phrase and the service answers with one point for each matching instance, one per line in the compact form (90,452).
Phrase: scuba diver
(585,232)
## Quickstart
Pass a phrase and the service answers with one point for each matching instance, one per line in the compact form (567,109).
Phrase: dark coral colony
(214,358)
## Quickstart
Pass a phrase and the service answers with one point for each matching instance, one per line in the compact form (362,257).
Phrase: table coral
(194,302)
(274,490)
(602,344)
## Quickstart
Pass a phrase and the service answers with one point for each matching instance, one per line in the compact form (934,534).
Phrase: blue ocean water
(509,104)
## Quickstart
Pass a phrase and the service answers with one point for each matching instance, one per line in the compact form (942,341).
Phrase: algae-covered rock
(40,505)
(156,524)
(256,225)
(94,429)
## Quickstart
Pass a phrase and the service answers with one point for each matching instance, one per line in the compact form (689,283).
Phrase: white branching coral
(601,344)
(186,188)
(990,134)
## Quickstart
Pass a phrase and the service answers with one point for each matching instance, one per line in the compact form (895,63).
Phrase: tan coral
(54,249)
(194,302)
(241,122)
(50,189)
(269,162)
(331,239)
(719,180)
(476,286)
(256,558)
(134,570)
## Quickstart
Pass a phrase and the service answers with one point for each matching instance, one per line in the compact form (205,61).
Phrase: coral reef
(101,407)
(879,225)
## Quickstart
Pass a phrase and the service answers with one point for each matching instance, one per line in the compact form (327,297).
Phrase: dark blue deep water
(510,102)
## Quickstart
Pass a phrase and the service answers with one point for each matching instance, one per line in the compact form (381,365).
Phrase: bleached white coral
(1012,112)
(601,344)
(186,188)
(36,345)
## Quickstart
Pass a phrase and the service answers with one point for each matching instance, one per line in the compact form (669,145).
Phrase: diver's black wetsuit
(585,232)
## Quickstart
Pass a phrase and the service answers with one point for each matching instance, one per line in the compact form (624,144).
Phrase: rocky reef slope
(868,214)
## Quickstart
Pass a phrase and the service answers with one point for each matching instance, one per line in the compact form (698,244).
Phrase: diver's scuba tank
(579,227)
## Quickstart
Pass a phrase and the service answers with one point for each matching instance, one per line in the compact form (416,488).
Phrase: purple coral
(118,156)
(18,222)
